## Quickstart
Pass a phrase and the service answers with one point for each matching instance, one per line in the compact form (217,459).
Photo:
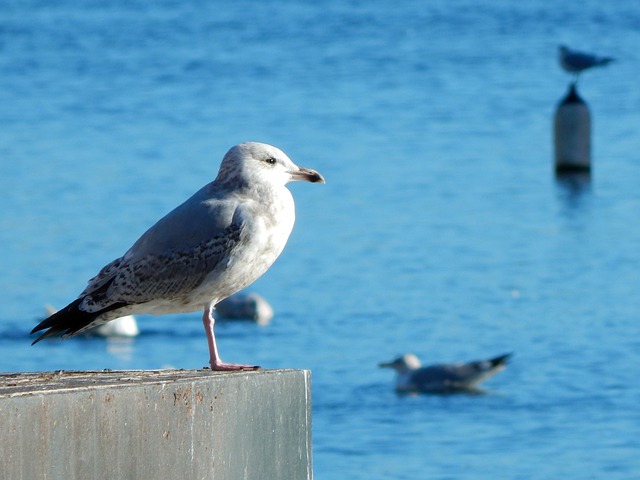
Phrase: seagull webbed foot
(232,367)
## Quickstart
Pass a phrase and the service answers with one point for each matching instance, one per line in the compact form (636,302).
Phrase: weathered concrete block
(156,425)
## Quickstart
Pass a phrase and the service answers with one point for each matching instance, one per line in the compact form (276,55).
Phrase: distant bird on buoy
(575,62)
(412,377)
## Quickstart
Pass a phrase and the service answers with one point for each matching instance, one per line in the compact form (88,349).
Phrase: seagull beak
(385,365)
(307,175)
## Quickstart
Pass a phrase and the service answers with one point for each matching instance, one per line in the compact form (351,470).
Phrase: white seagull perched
(216,243)
(412,377)
(575,62)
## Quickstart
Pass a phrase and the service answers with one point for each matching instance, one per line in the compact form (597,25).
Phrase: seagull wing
(163,267)
(457,375)
(436,377)
(174,256)
(581,61)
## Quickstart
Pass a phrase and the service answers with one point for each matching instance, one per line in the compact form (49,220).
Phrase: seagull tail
(606,61)
(70,320)
(501,360)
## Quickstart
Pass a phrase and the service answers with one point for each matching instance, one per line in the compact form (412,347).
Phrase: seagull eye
(270,160)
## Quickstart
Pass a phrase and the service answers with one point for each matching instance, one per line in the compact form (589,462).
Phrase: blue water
(441,229)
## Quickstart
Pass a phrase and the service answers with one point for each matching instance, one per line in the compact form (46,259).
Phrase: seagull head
(255,163)
(403,364)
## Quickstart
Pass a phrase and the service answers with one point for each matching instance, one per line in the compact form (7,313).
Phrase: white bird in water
(412,377)
(575,62)
(245,306)
(213,245)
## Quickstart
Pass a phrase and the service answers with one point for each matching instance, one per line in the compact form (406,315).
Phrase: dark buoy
(572,134)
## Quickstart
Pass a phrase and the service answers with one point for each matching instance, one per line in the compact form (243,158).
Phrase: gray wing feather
(450,375)
(174,256)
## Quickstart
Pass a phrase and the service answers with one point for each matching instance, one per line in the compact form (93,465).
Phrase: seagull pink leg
(215,361)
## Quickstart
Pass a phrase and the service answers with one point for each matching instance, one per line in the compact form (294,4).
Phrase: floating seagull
(575,62)
(245,306)
(213,245)
(124,327)
(412,377)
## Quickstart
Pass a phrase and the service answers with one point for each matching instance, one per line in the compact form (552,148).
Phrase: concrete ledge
(156,425)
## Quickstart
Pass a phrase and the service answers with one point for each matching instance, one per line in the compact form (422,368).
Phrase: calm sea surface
(441,229)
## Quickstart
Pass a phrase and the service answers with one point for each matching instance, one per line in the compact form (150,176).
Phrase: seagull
(575,62)
(412,377)
(213,245)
